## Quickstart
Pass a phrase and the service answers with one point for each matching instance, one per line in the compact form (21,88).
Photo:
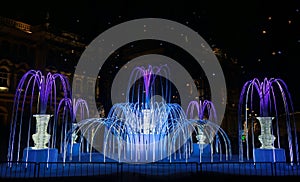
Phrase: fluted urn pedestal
(266,138)
(267,152)
(41,137)
(40,152)
(203,145)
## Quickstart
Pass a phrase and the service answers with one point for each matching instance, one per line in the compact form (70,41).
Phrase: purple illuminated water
(71,112)
(35,94)
(202,110)
(146,127)
(146,90)
(202,115)
(267,98)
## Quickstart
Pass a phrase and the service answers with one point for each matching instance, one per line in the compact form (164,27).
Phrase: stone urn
(41,137)
(74,134)
(266,138)
(201,136)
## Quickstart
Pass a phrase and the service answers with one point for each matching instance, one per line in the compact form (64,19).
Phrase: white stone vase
(201,135)
(74,134)
(41,137)
(266,138)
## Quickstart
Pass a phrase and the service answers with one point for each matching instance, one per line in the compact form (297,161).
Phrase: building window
(98,88)
(90,85)
(3,80)
(78,86)
(5,48)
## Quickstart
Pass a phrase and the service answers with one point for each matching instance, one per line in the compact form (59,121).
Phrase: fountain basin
(73,150)
(269,155)
(31,154)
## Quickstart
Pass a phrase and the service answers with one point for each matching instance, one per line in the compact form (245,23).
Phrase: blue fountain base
(204,149)
(40,155)
(75,149)
(270,155)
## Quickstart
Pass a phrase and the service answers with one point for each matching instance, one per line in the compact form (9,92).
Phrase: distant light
(3,89)
(77,20)
(259,60)
(290,21)
(279,52)
(187,84)
(264,32)
(269,18)
(273,53)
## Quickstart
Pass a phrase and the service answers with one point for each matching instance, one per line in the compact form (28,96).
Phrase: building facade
(24,47)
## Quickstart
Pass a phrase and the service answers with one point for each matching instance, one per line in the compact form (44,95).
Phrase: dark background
(236,27)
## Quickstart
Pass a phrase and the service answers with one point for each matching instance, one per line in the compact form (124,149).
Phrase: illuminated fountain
(71,111)
(262,104)
(35,97)
(145,128)
(211,138)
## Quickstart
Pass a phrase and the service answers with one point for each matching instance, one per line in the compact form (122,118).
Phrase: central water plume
(145,128)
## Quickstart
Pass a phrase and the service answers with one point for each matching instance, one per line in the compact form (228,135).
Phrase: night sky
(264,36)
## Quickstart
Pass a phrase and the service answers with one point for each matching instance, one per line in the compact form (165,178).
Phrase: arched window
(5,48)
(78,86)
(23,51)
(3,80)
(4,130)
